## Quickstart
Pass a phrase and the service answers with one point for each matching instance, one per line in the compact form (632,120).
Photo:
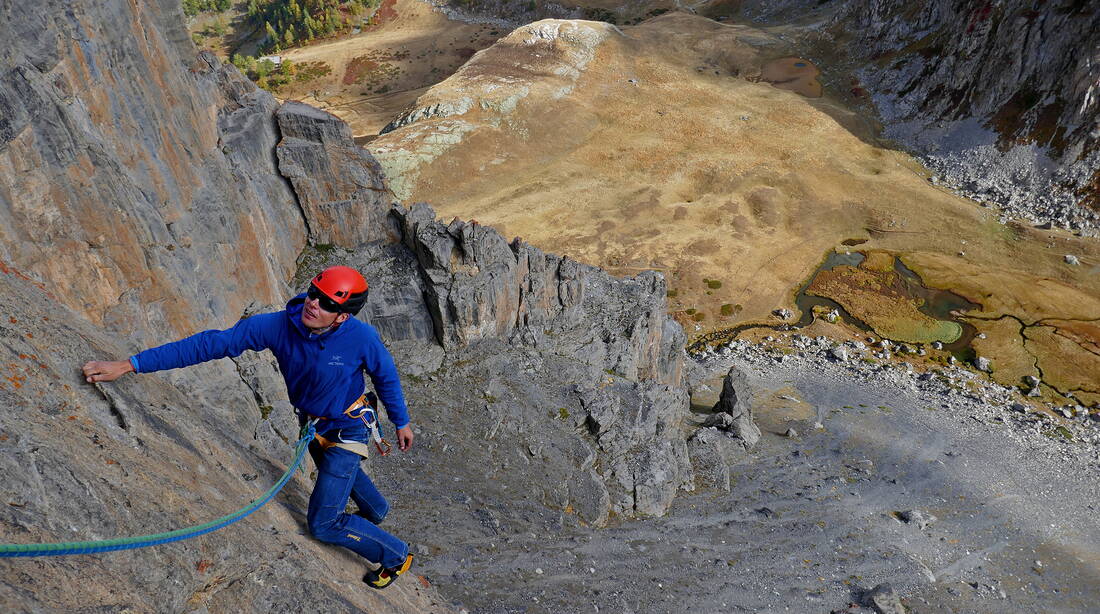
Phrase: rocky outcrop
(480,286)
(644,457)
(541,60)
(563,49)
(733,411)
(1002,97)
(339,186)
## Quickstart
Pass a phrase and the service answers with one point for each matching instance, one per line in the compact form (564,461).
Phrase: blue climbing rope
(142,541)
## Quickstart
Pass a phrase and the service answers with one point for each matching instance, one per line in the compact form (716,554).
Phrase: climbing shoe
(384,576)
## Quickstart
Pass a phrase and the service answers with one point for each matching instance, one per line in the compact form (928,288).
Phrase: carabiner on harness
(363,409)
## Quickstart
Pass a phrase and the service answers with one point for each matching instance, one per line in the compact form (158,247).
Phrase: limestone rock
(633,424)
(140,456)
(708,458)
(883,599)
(735,401)
(338,184)
(143,180)
(590,497)
(479,286)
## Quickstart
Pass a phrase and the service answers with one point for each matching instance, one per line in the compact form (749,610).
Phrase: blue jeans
(339,477)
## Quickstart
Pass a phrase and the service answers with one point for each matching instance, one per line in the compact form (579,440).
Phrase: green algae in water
(890,300)
(917,331)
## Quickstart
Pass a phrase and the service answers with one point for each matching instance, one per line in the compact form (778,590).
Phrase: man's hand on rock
(404,438)
(110,370)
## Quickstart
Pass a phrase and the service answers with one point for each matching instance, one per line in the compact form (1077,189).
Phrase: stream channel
(939,304)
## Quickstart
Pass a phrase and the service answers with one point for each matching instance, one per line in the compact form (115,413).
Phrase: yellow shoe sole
(382,577)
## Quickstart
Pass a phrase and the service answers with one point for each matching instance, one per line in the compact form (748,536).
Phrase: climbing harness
(142,541)
(361,409)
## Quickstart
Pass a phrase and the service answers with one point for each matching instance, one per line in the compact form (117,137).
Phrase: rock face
(480,286)
(339,186)
(142,456)
(139,201)
(1002,97)
(129,162)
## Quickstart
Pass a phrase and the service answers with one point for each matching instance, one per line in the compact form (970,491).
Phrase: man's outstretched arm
(248,334)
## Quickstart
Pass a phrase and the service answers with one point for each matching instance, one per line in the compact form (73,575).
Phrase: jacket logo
(335,361)
(355,537)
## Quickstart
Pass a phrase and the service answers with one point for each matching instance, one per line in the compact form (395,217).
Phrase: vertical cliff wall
(136,175)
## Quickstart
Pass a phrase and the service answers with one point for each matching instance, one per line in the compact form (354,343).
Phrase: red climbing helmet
(344,287)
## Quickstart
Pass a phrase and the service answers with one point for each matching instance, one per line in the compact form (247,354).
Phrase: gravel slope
(810,521)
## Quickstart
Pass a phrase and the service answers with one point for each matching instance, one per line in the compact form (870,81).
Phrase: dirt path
(377,73)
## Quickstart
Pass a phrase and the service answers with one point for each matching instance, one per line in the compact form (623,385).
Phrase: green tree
(264,68)
(272,37)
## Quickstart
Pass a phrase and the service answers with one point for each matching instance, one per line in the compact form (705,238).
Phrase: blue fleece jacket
(323,373)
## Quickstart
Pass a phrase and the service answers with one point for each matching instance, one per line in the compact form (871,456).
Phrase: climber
(322,351)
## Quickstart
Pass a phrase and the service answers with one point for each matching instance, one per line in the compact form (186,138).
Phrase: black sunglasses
(323,301)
